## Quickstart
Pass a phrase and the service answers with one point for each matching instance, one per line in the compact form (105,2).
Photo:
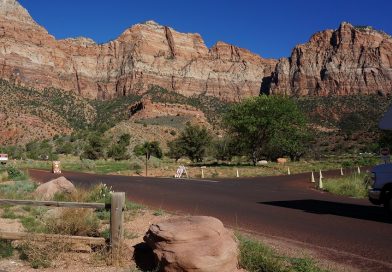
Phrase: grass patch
(159,212)
(33,224)
(133,208)
(6,249)
(352,185)
(21,189)
(8,213)
(257,257)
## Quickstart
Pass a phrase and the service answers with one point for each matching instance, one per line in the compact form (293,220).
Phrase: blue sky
(269,28)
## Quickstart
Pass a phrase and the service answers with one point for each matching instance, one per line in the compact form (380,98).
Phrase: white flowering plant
(101,193)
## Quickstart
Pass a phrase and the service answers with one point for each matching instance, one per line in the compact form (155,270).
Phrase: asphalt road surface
(348,230)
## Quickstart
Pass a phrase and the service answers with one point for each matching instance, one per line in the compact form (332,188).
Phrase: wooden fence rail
(116,208)
(11,235)
(53,204)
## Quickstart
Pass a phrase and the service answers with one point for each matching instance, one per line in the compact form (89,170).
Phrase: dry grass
(42,254)
(67,221)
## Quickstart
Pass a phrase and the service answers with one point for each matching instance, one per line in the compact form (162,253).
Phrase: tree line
(264,127)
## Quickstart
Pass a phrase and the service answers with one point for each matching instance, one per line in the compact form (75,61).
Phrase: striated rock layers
(144,55)
(349,60)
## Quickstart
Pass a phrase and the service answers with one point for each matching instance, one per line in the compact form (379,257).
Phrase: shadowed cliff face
(349,60)
(144,55)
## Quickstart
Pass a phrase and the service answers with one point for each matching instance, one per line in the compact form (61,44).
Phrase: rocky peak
(348,60)
(80,41)
(12,10)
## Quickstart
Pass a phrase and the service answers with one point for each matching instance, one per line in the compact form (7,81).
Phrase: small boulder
(46,191)
(193,243)
(263,162)
(281,160)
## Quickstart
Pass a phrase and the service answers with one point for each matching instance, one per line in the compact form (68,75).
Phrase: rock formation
(349,60)
(193,243)
(46,191)
(144,55)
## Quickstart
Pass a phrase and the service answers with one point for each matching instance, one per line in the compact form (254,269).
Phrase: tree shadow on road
(371,213)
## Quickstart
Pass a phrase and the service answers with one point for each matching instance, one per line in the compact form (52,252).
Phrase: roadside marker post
(288,171)
(238,174)
(341,171)
(202,171)
(313,181)
(321,180)
(359,170)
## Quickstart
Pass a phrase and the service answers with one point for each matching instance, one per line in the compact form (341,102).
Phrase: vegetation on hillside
(83,127)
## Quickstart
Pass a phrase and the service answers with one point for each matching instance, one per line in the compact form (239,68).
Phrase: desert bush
(15,173)
(135,166)
(21,189)
(81,222)
(3,175)
(6,249)
(8,213)
(41,255)
(100,193)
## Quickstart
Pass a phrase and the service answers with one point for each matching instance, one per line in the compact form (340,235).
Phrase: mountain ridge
(149,54)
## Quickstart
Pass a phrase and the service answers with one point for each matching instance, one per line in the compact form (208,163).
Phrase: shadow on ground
(371,213)
(144,257)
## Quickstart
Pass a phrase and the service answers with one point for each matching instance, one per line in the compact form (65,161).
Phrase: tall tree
(193,142)
(148,149)
(268,127)
(176,151)
(118,151)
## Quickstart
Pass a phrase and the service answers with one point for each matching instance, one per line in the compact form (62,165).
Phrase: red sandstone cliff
(346,61)
(349,60)
(144,55)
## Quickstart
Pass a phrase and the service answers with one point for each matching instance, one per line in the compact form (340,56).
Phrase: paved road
(348,229)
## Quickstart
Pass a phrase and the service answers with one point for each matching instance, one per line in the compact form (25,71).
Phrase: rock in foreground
(47,190)
(195,243)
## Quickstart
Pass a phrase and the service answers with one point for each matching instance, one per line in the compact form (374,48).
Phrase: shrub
(8,213)
(81,222)
(101,193)
(33,224)
(135,166)
(41,255)
(6,249)
(15,174)
(18,189)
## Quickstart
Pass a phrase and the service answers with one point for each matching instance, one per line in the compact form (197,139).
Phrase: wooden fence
(116,208)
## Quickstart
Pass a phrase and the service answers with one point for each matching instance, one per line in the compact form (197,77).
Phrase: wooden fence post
(116,225)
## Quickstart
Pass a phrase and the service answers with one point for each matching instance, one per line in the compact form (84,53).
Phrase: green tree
(148,149)
(118,151)
(193,141)
(224,149)
(95,147)
(351,123)
(176,151)
(268,127)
